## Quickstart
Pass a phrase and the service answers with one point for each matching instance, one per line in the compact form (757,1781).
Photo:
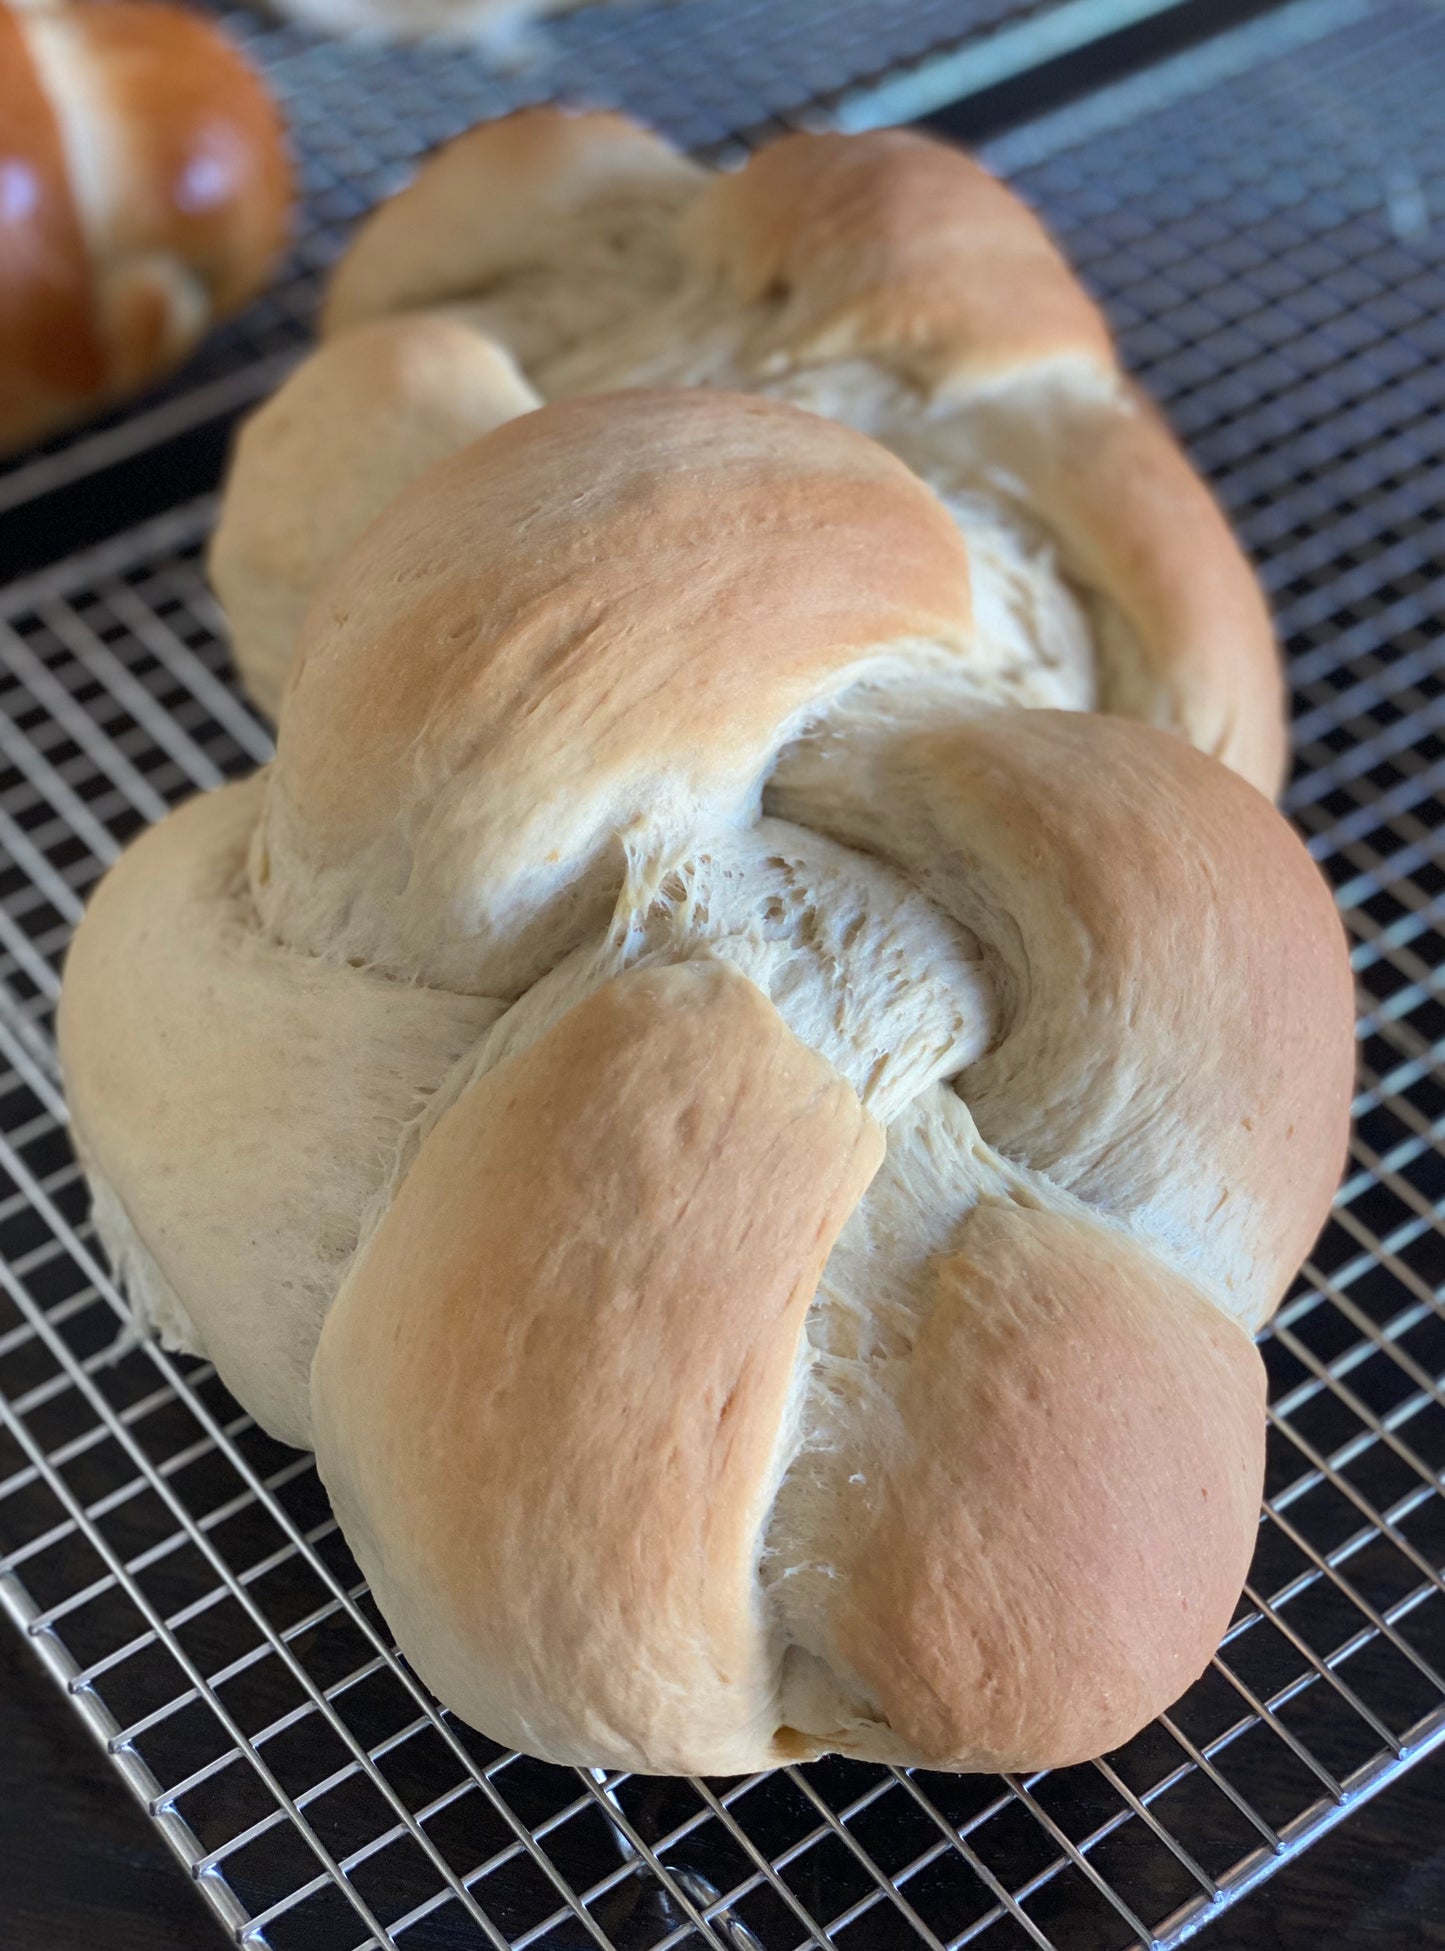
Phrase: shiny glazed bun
(144,193)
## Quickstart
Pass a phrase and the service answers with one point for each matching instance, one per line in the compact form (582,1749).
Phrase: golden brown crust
(570,725)
(897,248)
(693,569)
(585,1584)
(50,358)
(1086,1433)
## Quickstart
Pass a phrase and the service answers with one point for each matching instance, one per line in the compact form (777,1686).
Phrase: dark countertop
(81,1869)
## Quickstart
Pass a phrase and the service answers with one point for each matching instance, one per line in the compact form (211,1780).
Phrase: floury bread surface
(752,1153)
(883,280)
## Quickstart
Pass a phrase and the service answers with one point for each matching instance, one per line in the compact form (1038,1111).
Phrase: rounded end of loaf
(491,202)
(237,1107)
(869,246)
(311,469)
(1057,1536)
(886,280)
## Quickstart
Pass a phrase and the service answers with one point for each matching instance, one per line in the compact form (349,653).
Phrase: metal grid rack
(1266,223)
(705,75)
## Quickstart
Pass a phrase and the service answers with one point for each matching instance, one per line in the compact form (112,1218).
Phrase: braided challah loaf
(752,1159)
(144,192)
(884,280)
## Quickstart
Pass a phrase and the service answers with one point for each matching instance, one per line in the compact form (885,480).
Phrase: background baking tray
(1265,221)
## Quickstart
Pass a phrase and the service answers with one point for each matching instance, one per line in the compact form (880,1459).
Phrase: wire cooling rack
(1266,223)
(708,73)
